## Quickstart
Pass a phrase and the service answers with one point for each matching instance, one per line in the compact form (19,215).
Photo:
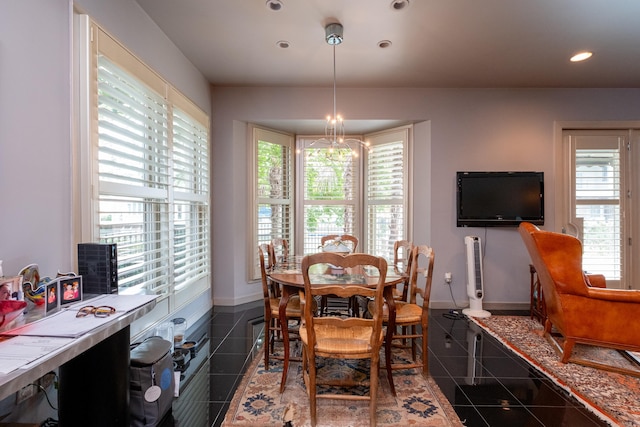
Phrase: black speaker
(98,266)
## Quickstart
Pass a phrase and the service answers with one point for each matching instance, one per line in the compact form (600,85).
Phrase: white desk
(94,368)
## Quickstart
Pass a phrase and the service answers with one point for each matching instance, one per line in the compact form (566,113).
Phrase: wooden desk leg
(284,326)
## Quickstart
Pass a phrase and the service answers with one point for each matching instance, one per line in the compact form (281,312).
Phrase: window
(273,182)
(329,196)
(366,194)
(599,200)
(387,191)
(150,168)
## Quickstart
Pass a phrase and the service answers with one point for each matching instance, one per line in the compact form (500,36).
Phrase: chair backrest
(343,238)
(280,248)
(422,259)
(372,286)
(557,259)
(402,253)
(264,256)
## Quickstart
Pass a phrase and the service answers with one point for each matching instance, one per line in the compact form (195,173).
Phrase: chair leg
(311,364)
(373,388)
(267,341)
(413,342)
(567,348)
(425,348)
(387,356)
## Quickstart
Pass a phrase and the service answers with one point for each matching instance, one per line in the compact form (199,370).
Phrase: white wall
(36,118)
(35,135)
(36,122)
(460,129)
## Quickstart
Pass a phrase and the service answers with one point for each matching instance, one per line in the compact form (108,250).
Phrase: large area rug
(258,402)
(614,397)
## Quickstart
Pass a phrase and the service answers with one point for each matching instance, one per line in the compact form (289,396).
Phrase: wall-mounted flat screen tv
(499,199)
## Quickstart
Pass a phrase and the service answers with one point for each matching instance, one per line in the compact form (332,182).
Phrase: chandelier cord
(335,114)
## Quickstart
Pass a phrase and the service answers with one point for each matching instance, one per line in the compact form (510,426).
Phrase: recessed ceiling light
(275,5)
(581,56)
(383,44)
(283,44)
(399,4)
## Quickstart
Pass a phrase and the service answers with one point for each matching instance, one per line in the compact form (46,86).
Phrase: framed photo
(51,296)
(70,289)
(10,287)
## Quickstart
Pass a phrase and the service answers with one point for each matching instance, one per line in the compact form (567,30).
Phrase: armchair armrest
(618,295)
(596,280)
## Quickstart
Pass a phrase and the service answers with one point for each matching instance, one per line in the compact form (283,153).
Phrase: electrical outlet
(26,393)
(47,380)
(448,278)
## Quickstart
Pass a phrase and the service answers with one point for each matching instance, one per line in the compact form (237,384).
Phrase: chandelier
(334,135)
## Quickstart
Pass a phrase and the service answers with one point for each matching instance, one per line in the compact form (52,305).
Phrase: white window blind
(273,213)
(386,192)
(191,193)
(597,205)
(152,167)
(330,193)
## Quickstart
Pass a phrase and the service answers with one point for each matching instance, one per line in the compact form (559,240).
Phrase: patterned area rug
(258,402)
(612,396)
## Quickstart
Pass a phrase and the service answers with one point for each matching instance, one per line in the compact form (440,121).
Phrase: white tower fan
(475,283)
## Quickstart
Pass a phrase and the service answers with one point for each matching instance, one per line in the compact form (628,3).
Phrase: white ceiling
(435,43)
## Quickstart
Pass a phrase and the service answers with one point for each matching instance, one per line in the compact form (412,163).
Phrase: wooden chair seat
(406,313)
(293,307)
(354,341)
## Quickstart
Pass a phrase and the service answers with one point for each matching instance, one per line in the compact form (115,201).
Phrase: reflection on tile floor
(486,383)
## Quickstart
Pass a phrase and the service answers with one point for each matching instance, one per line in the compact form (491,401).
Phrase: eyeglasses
(101,311)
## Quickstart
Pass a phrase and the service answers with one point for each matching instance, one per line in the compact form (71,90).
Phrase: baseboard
(447,305)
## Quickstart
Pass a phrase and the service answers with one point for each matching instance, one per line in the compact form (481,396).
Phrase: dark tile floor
(486,384)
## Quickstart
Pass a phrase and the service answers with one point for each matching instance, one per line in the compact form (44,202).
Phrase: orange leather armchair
(580,310)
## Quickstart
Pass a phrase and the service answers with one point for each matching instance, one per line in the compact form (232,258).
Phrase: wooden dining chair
(330,303)
(340,337)
(280,248)
(271,298)
(412,316)
(402,250)
(347,239)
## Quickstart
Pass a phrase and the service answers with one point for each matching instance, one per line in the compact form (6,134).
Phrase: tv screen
(499,199)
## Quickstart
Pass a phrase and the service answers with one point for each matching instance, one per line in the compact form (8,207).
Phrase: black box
(98,266)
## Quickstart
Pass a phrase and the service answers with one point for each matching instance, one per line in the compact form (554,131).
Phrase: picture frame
(14,284)
(51,296)
(69,289)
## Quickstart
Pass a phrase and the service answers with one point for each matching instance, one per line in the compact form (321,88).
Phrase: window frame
(405,133)
(631,176)
(307,142)
(91,42)
(257,134)
(401,134)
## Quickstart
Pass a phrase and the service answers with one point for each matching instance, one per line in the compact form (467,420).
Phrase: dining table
(288,274)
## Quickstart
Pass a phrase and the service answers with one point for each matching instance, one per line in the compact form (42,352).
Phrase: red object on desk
(10,309)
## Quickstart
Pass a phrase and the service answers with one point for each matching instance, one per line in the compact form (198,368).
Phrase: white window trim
(303,141)
(85,185)
(255,134)
(563,183)
(382,137)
